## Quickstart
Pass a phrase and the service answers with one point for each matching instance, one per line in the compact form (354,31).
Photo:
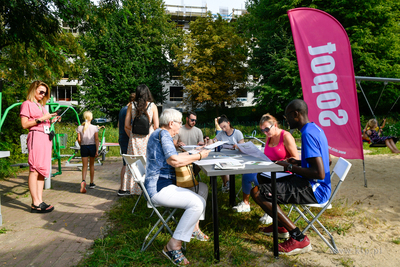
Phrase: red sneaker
(292,246)
(282,232)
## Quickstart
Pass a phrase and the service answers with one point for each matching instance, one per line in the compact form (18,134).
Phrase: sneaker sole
(298,250)
(280,235)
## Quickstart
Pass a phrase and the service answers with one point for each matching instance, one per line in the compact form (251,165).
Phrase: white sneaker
(225,189)
(242,207)
(266,219)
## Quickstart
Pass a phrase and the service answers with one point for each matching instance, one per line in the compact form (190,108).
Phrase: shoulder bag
(184,175)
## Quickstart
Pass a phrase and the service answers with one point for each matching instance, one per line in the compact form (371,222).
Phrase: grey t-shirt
(232,139)
(189,137)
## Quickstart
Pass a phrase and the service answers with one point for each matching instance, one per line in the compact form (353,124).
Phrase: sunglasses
(193,120)
(267,129)
(42,93)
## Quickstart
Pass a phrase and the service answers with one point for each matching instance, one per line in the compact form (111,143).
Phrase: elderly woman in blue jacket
(162,158)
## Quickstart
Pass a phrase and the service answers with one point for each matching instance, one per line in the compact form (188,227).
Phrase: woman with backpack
(141,120)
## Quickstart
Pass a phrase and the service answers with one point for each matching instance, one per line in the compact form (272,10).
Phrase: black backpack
(141,124)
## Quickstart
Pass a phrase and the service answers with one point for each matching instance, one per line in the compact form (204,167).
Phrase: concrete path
(59,238)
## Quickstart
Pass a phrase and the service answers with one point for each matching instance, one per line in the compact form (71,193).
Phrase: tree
(32,43)
(212,62)
(34,46)
(373,30)
(126,45)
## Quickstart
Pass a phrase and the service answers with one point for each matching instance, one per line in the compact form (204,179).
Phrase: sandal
(199,235)
(175,256)
(42,208)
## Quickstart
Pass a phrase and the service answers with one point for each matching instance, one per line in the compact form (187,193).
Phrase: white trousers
(194,205)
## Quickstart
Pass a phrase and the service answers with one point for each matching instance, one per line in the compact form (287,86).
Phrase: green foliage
(126,45)
(32,44)
(212,61)
(372,27)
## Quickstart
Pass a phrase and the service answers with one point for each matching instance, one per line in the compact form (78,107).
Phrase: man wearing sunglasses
(189,134)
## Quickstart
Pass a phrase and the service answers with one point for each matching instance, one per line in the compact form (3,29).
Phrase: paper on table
(278,174)
(187,148)
(259,162)
(228,166)
(223,156)
(216,144)
(213,161)
(250,149)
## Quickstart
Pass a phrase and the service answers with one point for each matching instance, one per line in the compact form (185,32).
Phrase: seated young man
(310,182)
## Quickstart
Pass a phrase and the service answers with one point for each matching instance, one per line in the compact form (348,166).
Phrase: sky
(212,5)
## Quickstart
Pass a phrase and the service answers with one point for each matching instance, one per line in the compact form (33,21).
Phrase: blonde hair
(32,92)
(269,118)
(371,123)
(88,116)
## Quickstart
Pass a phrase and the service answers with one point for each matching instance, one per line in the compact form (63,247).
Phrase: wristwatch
(38,121)
(290,167)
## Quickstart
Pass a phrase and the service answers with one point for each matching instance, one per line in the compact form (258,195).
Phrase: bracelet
(200,156)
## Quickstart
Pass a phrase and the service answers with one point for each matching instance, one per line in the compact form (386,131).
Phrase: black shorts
(290,189)
(124,149)
(88,151)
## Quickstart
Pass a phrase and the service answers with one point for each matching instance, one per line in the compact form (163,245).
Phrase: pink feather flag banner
(327,78)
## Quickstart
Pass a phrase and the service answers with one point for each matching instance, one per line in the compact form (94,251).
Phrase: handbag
(185,177)
(51,135)
(184,174)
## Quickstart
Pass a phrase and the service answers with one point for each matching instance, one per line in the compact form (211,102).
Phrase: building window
(175,73)
(242,96)
(63,93)
(176,93)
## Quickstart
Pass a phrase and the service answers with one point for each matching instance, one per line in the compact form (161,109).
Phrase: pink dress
(39,144)
(137,145)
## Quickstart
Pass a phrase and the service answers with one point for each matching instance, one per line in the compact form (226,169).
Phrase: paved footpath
(59,238)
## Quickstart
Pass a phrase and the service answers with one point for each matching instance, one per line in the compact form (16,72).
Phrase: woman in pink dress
(137,144)
(37,119)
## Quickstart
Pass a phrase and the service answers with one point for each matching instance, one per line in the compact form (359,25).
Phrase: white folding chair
(137,164)
(341,169)
(142,170)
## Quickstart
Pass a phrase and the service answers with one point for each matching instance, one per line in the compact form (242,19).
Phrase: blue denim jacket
(159,173)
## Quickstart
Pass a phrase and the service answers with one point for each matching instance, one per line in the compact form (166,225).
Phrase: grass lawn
(240,242)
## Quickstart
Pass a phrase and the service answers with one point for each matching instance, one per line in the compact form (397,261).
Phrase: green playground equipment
(59,140)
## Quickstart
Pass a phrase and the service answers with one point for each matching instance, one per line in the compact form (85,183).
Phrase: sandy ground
(372,213)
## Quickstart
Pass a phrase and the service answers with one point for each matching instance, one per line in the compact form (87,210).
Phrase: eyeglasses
(42,93)
(267,129)
(179,122)
(193,120)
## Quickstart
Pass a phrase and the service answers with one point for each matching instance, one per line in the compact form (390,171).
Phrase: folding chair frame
(139,178)
(327,205)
